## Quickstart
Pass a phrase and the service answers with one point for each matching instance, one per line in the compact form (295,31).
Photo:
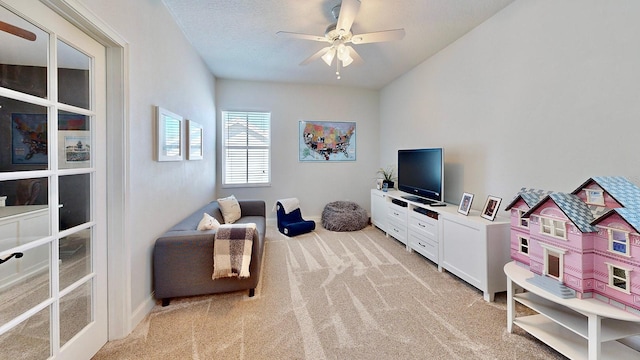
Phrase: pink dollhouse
(584,244)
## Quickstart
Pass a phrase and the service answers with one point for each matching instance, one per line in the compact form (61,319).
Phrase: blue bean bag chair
(292,223)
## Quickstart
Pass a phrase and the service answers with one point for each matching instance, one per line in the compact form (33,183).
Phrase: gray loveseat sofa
(183,256)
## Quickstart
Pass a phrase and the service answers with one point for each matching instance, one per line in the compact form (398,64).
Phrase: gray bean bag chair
(344,216)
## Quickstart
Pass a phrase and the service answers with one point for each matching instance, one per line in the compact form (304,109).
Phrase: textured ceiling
(237,38)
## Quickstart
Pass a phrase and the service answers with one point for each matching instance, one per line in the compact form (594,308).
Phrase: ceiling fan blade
(316,55)
(292,35)
(348,11)
(14,30)
(379,36)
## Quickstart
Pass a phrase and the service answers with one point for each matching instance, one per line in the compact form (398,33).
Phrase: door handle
(16,255)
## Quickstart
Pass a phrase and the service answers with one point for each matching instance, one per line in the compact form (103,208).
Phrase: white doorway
(53,284)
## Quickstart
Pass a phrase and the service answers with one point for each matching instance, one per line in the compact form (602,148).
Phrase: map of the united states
(327,140)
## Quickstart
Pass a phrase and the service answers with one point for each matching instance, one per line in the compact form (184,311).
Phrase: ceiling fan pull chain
(338,69)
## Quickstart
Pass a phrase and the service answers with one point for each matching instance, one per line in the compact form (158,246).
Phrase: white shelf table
(594,326)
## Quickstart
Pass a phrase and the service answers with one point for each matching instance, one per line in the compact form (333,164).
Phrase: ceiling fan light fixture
(347,61)
(343,55)
(342,51)
(329,55)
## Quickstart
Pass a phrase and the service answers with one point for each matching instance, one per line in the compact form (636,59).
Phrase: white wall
(314,184)
(165,71)
(544,94)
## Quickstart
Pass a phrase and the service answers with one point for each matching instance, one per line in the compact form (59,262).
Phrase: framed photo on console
(490,208)
(465,204)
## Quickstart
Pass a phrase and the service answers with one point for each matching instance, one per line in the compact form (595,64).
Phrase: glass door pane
(74,140)
(73,76)
(24,68)
(75,311)
(31,339)
(75,257)
(23,136)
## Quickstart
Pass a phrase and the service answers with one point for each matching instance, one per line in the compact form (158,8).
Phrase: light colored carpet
(329,295)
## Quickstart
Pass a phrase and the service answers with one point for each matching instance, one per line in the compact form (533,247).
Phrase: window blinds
(246,147)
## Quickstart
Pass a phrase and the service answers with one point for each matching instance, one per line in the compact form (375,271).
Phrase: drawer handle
(421,244)
(396,214)
(422,225)
(17,256)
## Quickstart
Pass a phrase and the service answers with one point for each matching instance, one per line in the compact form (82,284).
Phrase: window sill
(228,186)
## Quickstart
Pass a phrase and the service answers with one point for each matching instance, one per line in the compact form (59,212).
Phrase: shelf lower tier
(568,343)
(611,329)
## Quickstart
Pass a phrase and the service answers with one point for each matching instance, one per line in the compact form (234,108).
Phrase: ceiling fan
(17,31)
(339,35)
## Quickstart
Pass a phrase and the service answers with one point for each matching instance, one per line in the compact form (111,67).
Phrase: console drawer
(424,246)
(397,213)
(423,225)
(397,231)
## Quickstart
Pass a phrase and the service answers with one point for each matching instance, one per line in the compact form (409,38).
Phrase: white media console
(470,247)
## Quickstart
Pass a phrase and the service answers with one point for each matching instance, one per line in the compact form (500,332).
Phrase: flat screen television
(421,174)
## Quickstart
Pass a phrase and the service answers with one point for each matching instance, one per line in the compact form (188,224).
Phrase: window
(619,241)
(524,245)
(553,227)
(522,222)
(246,153)
(618,278)
(595,197)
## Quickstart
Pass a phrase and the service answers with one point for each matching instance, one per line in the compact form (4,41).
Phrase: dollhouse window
(619,242)
(555,228)
(595,197)
(522,222)
(524,245)
(619,278)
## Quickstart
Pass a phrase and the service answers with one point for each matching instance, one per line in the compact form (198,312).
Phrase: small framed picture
(194,141)
(490,208)
(465,203)
(170,135)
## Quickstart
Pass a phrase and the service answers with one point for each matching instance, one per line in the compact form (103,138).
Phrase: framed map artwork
(327,141)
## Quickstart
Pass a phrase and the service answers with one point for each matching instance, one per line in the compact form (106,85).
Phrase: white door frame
(118,251)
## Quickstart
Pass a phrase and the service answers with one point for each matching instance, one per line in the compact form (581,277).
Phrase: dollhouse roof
(618,187)
(573,207)
(529,195)
(631,216)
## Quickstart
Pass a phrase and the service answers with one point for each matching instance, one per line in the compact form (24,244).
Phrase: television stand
(419,199)
(470,247)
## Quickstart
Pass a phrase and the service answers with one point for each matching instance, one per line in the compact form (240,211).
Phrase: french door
(53,247)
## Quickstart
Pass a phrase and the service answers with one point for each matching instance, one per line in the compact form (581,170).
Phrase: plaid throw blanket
(232,250)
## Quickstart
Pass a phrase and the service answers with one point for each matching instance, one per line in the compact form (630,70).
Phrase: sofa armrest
(181,259)
(253,208)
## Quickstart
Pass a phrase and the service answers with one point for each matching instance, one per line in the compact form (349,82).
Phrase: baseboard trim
(142,311)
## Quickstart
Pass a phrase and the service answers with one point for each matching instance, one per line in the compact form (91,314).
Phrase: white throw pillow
(208,222)
(230,209)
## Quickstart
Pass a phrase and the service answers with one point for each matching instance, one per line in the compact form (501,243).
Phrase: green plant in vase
(388,176)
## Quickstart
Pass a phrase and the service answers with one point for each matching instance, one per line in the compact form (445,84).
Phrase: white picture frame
(170,135)
(465,203)
(195,134)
